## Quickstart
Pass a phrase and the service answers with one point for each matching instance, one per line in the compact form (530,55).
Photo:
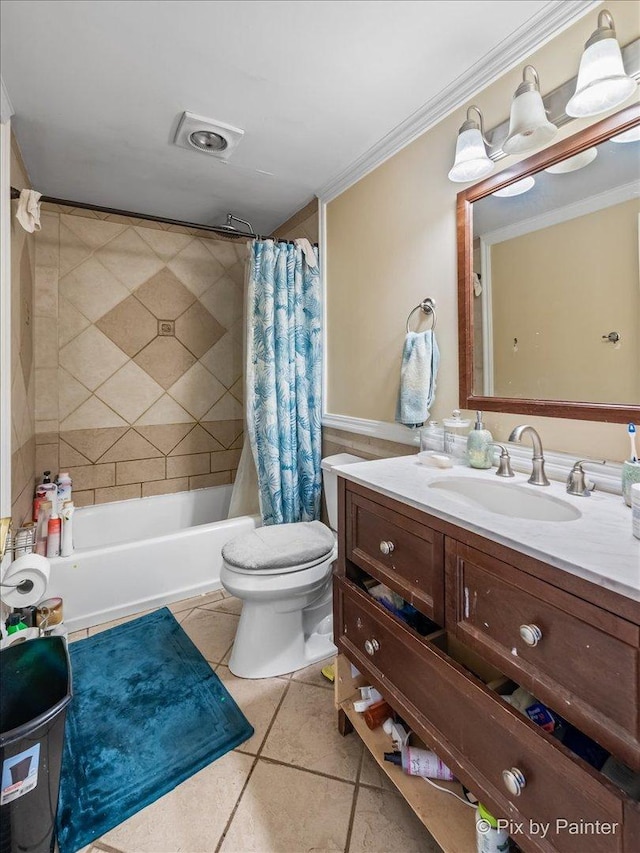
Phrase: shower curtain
(283,378)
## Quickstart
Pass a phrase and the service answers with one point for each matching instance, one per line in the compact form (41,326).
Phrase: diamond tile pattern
(164,243)
(130,259)
(165,296)
(224,359)
(130,391)
(197,329)
(92,289)
(70,322)
(92,232)
(129,325)
(165,359)
(224,300)
(103,284)
(91,357)
(92,415)
(196,267)
(195,390)
(165,411)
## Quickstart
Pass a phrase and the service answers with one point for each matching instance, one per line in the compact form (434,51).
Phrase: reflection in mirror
(556,305)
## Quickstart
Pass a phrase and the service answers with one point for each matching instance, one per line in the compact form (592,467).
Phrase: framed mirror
(548,280)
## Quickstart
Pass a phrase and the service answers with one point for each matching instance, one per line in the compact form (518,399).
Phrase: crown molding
(6,107)
(556,16)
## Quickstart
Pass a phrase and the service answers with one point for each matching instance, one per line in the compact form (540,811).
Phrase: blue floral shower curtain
(283,379)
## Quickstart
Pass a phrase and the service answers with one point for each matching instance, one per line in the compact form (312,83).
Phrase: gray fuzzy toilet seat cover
(280,546)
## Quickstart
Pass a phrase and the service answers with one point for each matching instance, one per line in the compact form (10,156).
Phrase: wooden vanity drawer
(585,660)
(476,731)
(402,553)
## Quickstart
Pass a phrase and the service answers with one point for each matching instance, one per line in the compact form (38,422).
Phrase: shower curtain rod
(114,211)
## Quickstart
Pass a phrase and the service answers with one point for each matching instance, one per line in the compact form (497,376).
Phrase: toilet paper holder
(17,544)
(21,541)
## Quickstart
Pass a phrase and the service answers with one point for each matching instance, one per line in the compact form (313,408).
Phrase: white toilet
(282,573)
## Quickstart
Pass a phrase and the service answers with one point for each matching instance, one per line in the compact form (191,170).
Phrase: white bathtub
(139,554)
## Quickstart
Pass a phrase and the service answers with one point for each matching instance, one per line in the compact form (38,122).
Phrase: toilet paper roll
(32,568)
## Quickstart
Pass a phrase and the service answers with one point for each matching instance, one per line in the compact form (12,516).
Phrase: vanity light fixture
(518,188)
(572,164)
(602,81)
(631,135)
(529,126)
(471,161)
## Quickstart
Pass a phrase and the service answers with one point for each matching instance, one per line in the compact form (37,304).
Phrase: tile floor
(296,786)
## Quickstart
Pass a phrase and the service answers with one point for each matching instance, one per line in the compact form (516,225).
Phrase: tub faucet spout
(538,476)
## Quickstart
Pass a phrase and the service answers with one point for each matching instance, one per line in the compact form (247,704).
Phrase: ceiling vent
(207,135)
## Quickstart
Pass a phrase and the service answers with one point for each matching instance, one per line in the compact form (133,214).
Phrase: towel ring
(427,305)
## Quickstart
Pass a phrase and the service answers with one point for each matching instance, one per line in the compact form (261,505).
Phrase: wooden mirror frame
(593,135)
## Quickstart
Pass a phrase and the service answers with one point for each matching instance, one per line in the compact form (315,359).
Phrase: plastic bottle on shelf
(54,530)
(420,762)
(48,490)
(66,544)
(64,488)
(489,838)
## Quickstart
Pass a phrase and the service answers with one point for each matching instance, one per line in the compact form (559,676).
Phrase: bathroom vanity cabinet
(502,619)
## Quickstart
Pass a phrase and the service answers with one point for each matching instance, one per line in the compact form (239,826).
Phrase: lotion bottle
(479,451)
(54,529)
(66,546)
(420,762)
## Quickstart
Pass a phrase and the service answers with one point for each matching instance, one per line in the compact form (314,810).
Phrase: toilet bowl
(282,574)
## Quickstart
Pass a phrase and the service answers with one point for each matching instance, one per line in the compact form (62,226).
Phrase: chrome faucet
(504,463)
(538,477)
(577,483)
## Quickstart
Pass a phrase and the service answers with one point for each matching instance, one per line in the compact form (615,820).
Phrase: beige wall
(391,241)
(22,364)
(560,353)
(138,355)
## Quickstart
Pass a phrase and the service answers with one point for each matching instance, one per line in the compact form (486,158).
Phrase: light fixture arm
(471,124)
(606,28)
(528,85)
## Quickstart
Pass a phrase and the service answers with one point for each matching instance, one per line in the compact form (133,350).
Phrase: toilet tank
(330,482)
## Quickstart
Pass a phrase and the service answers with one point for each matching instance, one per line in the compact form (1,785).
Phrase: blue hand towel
(420,360)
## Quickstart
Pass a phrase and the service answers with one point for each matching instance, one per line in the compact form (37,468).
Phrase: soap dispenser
(479,451)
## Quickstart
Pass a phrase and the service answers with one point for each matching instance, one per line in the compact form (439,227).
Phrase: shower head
(230,228)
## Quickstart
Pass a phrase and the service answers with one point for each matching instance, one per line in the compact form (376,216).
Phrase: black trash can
(35,689)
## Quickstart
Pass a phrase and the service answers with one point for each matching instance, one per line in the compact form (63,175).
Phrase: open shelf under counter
(449,821)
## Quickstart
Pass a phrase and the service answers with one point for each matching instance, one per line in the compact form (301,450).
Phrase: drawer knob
(531,634)
(387,547)
(514,781)
(371,646)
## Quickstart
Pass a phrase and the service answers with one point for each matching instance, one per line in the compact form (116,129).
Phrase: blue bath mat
(147,713)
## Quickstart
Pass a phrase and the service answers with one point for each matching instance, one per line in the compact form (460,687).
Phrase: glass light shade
(572,164)
(631,135)
(529,126)
(518,188)
(602,81)
(471,161)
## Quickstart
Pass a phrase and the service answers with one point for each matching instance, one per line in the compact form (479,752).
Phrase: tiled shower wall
(138,355)
(22,368)
(303,223)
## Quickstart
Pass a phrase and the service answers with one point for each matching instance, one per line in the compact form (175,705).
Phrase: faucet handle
(577,482)
(504,463)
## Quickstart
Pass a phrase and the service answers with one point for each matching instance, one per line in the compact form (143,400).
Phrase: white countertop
(598,546)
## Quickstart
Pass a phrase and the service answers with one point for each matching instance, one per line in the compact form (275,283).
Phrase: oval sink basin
(507,499)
